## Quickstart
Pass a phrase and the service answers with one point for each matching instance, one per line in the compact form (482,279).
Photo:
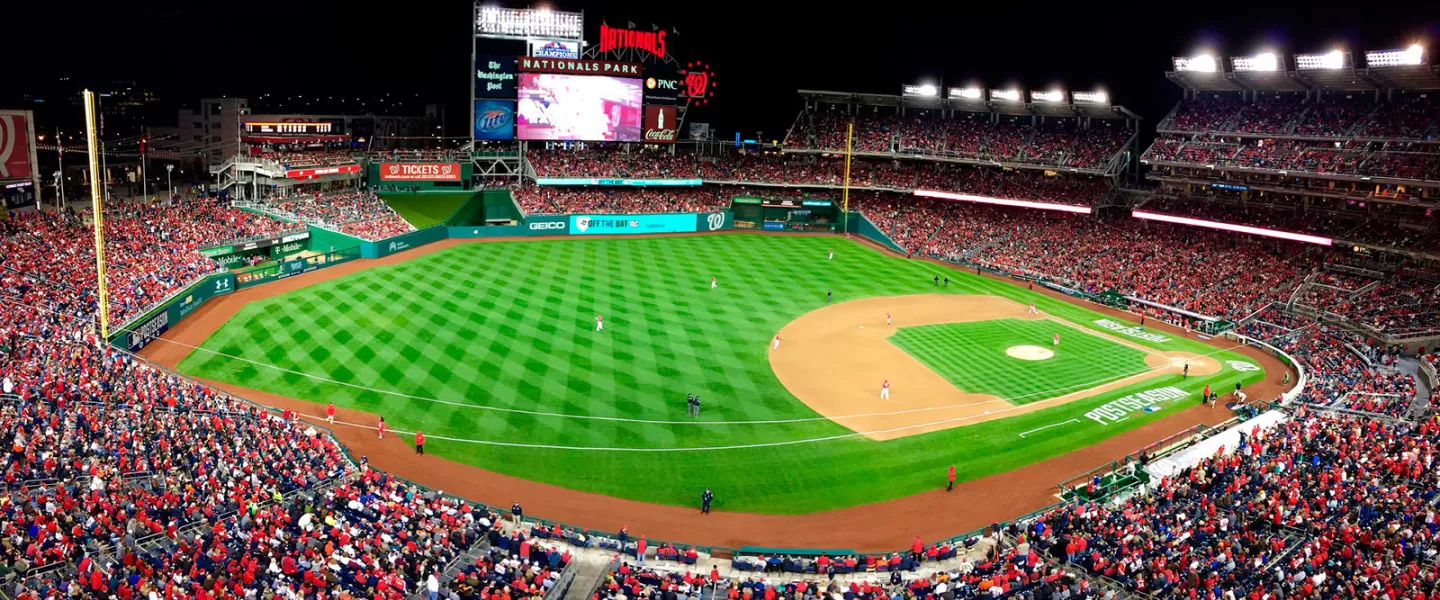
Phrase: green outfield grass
(972,356)
(425,209)
(449,342)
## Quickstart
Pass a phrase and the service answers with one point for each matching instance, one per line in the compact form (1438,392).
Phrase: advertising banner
(290,268)
(243,247)
(624,182)
(547,225)
(146,329)
(580,67)
(14,147)
(401,243)
(662,84)
(554,49)
(629,224)
(715,221)
(321,172)
(419,171)
(494,119)
(660,125)
(495,76)
(700,132)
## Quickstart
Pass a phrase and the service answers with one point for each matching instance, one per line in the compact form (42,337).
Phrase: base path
(834,359)
(878,527)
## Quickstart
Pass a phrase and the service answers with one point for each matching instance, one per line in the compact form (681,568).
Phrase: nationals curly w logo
(14,147)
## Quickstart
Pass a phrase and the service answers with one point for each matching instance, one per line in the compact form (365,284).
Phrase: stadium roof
(1347,79)
(1044,109)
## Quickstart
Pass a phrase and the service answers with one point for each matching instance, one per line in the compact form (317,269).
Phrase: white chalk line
(1098,382)
(1049,426)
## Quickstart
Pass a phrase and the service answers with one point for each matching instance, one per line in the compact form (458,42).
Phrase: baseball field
(491,350)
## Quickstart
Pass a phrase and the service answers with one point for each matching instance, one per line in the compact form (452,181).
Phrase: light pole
(59,191)
(168,183)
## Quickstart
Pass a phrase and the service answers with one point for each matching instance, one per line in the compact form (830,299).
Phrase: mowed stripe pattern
(972,356)
(512,325)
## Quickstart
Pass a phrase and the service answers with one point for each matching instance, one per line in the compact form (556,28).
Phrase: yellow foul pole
(849,144)
(96,187)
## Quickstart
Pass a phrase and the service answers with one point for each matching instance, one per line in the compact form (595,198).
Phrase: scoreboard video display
(561,107)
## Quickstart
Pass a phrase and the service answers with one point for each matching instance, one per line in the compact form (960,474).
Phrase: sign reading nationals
(580,67)
(419,171)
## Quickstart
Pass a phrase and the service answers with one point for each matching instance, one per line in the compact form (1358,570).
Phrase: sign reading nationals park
(580,67)
(419,171)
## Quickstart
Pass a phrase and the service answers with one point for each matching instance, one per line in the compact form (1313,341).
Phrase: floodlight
(1050,96)
(1010,95)
(1265,61)
(1334,59)
(1414,55)
(1096,97)
(1203,63)
(970,93)
(924,89)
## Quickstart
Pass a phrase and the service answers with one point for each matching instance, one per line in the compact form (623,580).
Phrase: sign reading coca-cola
(419,171)
(660,125)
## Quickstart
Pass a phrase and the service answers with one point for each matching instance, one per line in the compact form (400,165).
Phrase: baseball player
(1186,374)
(712,283)
(885,390)
(599,322)
(832,254)
(330,413)
(1032,309)
(887,318)
(775,344)
(381,428)
(1056,342)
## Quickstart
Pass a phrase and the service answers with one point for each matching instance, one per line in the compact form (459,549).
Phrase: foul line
(1049,426)
(1086,386)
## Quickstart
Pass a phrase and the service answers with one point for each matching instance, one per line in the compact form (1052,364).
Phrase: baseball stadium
(954,342)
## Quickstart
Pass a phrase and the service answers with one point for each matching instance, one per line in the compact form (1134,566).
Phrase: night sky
(761,52)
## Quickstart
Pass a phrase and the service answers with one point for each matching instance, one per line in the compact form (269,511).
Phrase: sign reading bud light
(660,125)
(494,119)
(419,171)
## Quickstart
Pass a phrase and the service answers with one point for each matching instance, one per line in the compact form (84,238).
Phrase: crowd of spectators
(358,213)
(1318,507)
(1291,114)
(566,200)
(1370,159)
(1057,142)
(1203,271)
(151,249)
(305,159)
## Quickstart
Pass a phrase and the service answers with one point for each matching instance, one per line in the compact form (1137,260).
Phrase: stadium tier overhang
(1001,107)
(1414,77)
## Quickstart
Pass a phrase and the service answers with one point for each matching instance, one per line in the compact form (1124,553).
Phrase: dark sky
(761,52)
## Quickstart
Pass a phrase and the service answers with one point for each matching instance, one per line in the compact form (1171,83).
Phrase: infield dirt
(835,359)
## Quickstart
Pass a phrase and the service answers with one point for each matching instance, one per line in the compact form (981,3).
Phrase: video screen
(579,108)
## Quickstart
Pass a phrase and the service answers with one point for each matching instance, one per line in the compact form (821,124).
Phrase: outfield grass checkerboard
(444,342)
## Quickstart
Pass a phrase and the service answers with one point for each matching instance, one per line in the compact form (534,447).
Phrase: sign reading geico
(660,126)
(419,171)
(580,67)
(546,225)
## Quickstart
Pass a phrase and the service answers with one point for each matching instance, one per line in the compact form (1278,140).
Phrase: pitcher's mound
(1029,352)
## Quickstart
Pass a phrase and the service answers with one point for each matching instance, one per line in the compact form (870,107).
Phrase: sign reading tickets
(419,171)
(622,224)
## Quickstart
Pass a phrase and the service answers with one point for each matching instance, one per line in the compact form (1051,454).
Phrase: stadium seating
(966,135)
(361,214)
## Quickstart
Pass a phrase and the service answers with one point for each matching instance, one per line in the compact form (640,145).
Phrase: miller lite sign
(660,125)
(419,171)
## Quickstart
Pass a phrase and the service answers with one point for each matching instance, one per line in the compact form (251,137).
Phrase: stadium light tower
(1203,63)
(168,183)
(1264,61)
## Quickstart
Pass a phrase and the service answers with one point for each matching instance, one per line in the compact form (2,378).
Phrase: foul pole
(98,207)
(849,145)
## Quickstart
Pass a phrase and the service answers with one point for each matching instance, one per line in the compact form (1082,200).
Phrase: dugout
(786,214)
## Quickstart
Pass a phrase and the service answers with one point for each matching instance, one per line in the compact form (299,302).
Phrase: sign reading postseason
(419,171)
